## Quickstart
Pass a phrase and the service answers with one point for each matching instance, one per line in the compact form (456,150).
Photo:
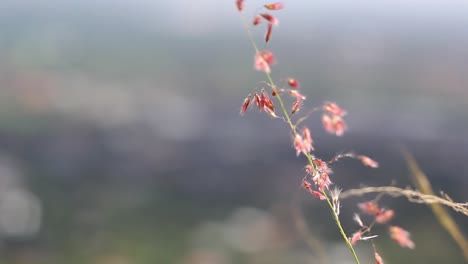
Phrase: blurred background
(121,140)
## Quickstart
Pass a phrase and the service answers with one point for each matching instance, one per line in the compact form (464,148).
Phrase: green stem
(342,232)
(293,129)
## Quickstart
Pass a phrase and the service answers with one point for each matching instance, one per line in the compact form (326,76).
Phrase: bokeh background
(121,141)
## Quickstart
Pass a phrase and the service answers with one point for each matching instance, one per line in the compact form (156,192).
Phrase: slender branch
(412,196)
(342,232)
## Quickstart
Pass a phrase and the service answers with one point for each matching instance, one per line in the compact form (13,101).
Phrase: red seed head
(293,83)
(274,6)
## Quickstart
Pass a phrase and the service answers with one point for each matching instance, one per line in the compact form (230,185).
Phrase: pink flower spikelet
(263,61)
(299,145)
(307,139)
(401,236)
(245,105)
(296,106)
(240,5)
(293,83)
(378,258)
(274,6)
(334,124)
(385,216)
(355,237)
(334,109)
(257,20)
(268,33)
(368,161)
(271,19)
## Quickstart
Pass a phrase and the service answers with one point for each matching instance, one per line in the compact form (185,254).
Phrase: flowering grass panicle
(317,180)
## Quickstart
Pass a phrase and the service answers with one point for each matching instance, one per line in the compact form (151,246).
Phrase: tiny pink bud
(378,259)
(339,125)
(256,20)
(271,19)
(370,208)
(318,195)
(355,237)
(270,112)
(368,161)
(385,216)
(296,106)
(274,6)
(263,60)
(275,93)
(401,236)
(299,144)
(266,101)
(258,102)
(240,5)
(334,125)
(327,124)
(334,109)
(261,65)
(293,83)
(268,57)
(296,94)
(307,185)
(245,104)
(307,139)
(268,33)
